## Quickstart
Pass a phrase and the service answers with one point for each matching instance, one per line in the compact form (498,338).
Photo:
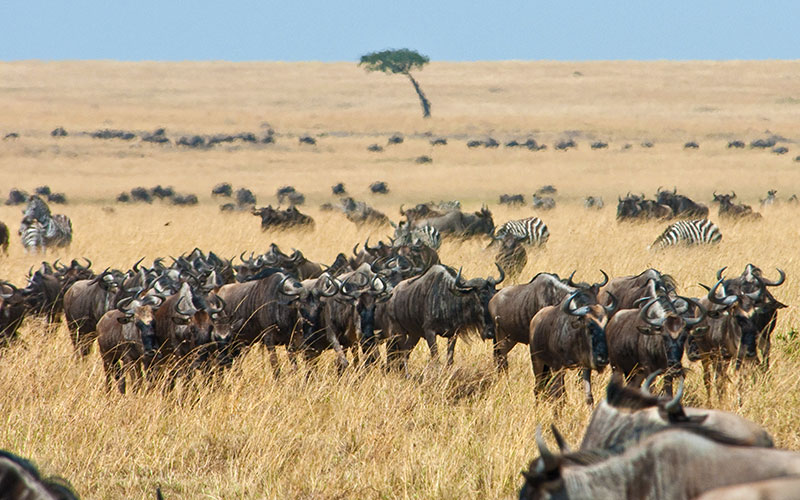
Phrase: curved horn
(779,282)
(187,312)
(123,304)
(502,277)
(719,273)
(605,280)
(366,245)
(646,318)
(693,321)
(377,279)
(569,280)
(460,284)
(612,306)
(674,405)
(154,300)
(88,263)
(355,249)
(282,288)
(216,310)
(402,212)
(567,307)
(55,265)
(136,266)
(334,288)
(551,462)
(12,287)
(649,381)
(728,301)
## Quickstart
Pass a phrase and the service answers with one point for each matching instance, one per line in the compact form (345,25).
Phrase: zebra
(689,232)
(424,235)
(532,230)
(40,229)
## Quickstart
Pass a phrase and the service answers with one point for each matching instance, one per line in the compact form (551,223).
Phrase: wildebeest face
(595,326)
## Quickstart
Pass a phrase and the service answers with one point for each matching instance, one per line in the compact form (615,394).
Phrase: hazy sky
(444,30)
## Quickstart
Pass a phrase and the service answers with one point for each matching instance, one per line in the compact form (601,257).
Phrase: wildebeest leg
(394,352)
(451,349)
(269,343)
(707,367)
(430,338)
(502,347)
(333,340)
(764,344)
(586,374)
(556,384)
(721,374)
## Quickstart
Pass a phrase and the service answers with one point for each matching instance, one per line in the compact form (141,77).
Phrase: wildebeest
(512,256)
(438,141)
(440,303)
(282,219)
(338,189)
(4,237)
(682,206)
(245,197)
(691,145)
(85,303)
(652,338)
(125,337)
(222,189)
(58,132)
(512,199)
(307,139)
(735,144)
(513,307)
(595,202)
(569,335)
(379,187)
(457,223)
(780,150)
(21,480)
(12,311)
(17,197)
(763,143)
(565,144)
(730,210)
(375,148)
(635,207)
(543,202)
(395,139)
(427,210)
(673,464)
(628,414)
(599,145)
(358,212)
(627,290)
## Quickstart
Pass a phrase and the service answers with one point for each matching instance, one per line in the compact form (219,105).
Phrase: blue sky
(444,30)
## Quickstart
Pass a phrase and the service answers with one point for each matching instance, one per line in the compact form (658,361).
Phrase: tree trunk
(426,104)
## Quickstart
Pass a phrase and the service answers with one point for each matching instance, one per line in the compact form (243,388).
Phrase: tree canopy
(400,61)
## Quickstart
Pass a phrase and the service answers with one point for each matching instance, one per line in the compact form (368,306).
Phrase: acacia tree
(401,62)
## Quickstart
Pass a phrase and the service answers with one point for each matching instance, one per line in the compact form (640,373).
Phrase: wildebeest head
(629,206)
(140,312)
(484,290)
(482,223)
(590,319)
(672,324)
(305,298)
(592,289)
(364,289)
(194,319)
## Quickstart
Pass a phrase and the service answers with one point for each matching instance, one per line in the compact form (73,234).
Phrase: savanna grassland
(437,433)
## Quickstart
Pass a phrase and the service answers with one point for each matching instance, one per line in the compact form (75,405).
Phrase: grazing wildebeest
(634,207)
(629,414)
(379,187)
(4,237)
(673,464)
(282,219)
(85,303)
(565,144)
(653,338)
(763,143)
(735,144)
(691,145)
(727,209)
(126,337)
(595,202)
(599,145)
(512,199)
(457,223)
(338,189)
(543,202)
(682,206)
(512,256)
(513,307)
(375,148)
(441,303)
(569,335)
(360,213)
(307,139)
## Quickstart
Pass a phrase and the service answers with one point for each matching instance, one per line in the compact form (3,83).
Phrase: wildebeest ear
(124,320)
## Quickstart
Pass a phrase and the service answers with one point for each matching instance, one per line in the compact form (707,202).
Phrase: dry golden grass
(460,433)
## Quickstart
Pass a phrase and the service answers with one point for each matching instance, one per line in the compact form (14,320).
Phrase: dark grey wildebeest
(457,223)
(440,302)
(85,303)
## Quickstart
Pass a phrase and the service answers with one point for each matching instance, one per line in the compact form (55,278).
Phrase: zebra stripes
(426,235)
(532,230)
(40,229)
(689,232)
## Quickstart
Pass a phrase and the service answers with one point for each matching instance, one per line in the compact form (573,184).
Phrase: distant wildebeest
(565,144)
(438,303)
(307,139)
(512,199)
(395,139)
(595,202)
(375,148)
(513,307)
(126,337)
(569,335)
(282,219)
(423,159)
(682,206)
(599,145)
(727,209)
(457,223)
(4,237)
(379,187)
(85,303)
(691,145)
(338,189)
(222,189)
(17,197)
(438,141)
(59,132)
(735,144)
(157,137)
(546,189)
(688,233)
(780,150)
(543,202)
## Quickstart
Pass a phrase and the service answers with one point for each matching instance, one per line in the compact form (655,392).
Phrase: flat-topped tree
(399,61)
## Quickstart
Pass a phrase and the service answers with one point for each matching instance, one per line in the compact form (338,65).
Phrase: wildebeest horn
(550,461)
(154,300)
(693,321)
(612,306)
(187,312)
(674,405)
(402,212)
(55,265)
(728,301)
(719,273)
(215,310)
(123,304)
(734,194)
(88,263)
(296,256)
(334,287)
(562,443)
(646,318)
(605,280)
(567,307)
(355,249)
(9,285)
(649,381)
(493,281)
(569,280)
(377,279)
(708,288)
(136,265)
(779,282)
(282,288)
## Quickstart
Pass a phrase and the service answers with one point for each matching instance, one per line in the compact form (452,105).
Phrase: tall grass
(462,432)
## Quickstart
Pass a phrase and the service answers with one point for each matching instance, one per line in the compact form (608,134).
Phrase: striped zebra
(689,232)
(532,230)
(424,235)
(40,230)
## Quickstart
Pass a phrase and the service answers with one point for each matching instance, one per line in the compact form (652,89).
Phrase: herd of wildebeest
(199,312)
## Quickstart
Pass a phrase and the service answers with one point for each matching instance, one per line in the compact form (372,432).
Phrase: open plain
(462,432)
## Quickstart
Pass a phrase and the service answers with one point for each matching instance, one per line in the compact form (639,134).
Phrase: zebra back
(689,232)
(531,229)
(32,232)
(426,235)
